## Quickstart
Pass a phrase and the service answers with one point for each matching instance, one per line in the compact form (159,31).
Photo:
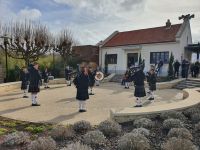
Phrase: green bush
(144,123)
(110,128)
(132,141)
(180,133)
(172,123)
(16,138)
(42,143)
(82,126)
(178,144)
(94,139)
(3,131)
(77,146)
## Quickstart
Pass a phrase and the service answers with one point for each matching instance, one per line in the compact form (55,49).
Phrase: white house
(154,44)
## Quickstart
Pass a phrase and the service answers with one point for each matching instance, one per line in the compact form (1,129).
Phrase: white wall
(177,48)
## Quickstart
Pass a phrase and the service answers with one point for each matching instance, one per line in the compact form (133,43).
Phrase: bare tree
(64,45)
(27,40)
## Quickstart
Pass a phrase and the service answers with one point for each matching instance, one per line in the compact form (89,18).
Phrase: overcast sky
(93,20)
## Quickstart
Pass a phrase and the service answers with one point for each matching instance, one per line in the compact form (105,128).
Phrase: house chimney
(168,24)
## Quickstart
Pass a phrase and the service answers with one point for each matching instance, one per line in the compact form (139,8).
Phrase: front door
(132,58)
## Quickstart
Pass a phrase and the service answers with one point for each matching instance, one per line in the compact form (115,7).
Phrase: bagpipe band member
(35,81)
(81,82)
(45,75)
(24,77)
(138,78)
(127,79)
(92,74)
(68,72)
(151,79)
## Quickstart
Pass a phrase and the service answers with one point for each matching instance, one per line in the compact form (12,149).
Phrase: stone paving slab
(58,104)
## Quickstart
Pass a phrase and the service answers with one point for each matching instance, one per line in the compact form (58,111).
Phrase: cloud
(31,14)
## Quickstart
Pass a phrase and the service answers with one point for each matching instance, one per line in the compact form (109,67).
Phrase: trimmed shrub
(132,141)
(94,138)
(110,128)
(62,133)
(77,146)
(197,127)
(82,126)
(189,112)
(180,133)
(143,123)
(42,143)
(195,117)
(172,123)
(16,138)
(178,144)
(142,131)
(173,115)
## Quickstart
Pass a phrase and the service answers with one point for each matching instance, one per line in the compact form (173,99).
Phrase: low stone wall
(191,98)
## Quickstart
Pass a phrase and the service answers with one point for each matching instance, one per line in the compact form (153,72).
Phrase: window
(155,57)
(112,58)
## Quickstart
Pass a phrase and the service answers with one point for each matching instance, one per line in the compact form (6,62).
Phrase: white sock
(138,101)
(25,92)
(80,105)
(84,105)
(33,99)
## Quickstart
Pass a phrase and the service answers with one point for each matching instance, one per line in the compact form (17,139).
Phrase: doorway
(132,58)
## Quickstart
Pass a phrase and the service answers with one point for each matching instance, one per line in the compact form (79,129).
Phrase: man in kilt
(45,76)
(24,77)
(81,82)
(35,81)
(151,79)
(68,72)
(127,79)
(92,75)
(138,79)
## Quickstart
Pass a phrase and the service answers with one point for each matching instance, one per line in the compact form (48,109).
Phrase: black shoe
(97,85)
(125,87)
(81,110)
(91,94)
(138,106)
(25,96)
(35,104)
(69,85)
(151,99)
(48,87)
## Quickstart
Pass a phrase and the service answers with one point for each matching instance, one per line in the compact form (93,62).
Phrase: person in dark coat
(24,77)
(45,75)
(68,73)
(196,69)
(92,75)
(185,68)
(176,69)
(81,82)
(151,79)
(138,79)
(35,81)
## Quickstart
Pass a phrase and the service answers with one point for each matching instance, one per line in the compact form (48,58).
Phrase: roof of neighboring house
(144,36)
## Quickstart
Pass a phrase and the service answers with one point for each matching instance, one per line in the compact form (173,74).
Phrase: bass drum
(99,76)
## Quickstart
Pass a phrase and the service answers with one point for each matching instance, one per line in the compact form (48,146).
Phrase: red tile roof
(144,36)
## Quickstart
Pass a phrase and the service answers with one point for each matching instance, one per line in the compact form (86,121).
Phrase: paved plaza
(58,104)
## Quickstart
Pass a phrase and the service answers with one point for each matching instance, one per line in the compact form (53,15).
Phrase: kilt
(46,80)
(33,89)
(91,83)
(139,91)
(152,87)
(24,85)
(82,94)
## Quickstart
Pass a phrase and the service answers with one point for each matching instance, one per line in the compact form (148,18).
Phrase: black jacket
(35,80)
(138,78)
(82,83)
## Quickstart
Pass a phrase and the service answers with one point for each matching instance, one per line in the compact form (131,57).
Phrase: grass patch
(8,124)
(3,131)
(35,129)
